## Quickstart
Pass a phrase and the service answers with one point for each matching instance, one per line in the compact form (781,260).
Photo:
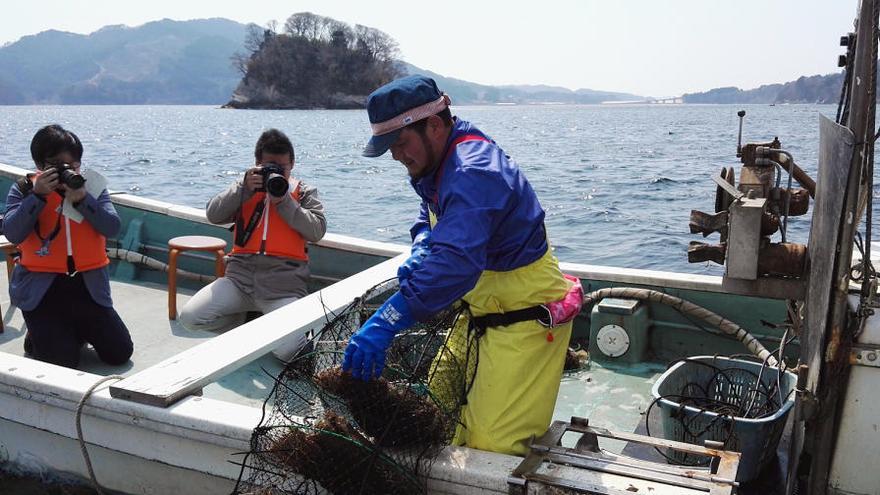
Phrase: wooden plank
(169,381)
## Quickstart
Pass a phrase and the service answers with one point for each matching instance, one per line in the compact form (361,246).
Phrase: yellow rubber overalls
(518,367)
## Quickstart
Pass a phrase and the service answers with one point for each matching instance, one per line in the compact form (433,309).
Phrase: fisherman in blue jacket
(479,237)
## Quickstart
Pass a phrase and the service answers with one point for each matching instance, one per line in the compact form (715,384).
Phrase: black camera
(274,181)
(68,176)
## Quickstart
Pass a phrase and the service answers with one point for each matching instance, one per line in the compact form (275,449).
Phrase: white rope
(79,433)
(142,259)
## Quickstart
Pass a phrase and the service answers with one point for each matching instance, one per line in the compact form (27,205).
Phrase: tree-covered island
(315,62)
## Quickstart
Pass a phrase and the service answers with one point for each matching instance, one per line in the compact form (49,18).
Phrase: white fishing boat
(179,417)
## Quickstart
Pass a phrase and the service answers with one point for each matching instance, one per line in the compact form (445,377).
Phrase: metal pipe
(787,162)
(739,137)
(768,161)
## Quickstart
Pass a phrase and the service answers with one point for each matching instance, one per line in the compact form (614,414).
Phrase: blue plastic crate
(756,439)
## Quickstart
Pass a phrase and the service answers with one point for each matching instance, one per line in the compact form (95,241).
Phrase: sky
(645,47)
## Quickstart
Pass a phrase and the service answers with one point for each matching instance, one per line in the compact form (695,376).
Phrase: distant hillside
(189,62)
(468,93)
(812,89)
(161,62)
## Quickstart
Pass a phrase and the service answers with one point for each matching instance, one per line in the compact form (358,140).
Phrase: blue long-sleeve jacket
(27,288)
(489,218)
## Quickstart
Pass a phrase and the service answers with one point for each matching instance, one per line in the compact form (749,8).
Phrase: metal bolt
(872,356)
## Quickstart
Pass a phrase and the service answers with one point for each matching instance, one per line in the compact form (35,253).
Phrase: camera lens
(276,185)
(72,179)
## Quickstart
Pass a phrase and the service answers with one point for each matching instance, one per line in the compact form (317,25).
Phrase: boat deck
(144,309)
(613,398)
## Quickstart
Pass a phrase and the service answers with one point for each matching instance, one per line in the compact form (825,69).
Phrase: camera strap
(44,242)
(242,233)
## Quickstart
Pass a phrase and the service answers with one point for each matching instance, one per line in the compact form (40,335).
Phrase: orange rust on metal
(782,259)
(756,178)
(833,344)
(699,252)
(769,224)
(704,223)
(798,203)
(749,151)
(798,174)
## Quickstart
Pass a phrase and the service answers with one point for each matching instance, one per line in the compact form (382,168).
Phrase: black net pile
(323,431)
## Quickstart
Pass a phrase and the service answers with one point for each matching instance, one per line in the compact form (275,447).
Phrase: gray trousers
(222,306)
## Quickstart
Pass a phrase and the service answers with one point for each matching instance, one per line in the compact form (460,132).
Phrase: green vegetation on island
(315,62)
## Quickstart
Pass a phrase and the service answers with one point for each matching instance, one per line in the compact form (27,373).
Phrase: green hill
(161,62)
(812,89)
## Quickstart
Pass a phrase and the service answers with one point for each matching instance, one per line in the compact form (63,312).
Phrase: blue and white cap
(397,105)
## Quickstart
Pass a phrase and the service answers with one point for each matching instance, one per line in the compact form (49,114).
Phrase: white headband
(412,115)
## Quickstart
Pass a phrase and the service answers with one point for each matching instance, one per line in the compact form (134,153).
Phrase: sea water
(617,182)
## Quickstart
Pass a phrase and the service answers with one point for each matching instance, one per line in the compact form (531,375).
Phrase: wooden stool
(190,243)
(8,249)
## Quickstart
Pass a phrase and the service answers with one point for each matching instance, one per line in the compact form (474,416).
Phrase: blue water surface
(618,182)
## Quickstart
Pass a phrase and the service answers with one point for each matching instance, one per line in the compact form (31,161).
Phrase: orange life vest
(47,249)
(272,235)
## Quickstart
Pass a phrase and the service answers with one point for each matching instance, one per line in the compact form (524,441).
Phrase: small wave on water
(662,180)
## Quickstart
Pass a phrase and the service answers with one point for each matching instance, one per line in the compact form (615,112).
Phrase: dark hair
(52,140)
(445,115)
(275,142)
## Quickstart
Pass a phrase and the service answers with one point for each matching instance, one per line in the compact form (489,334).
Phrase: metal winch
(749,213)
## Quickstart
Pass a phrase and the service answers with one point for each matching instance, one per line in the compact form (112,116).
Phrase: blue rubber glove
(365,354)
(420,248)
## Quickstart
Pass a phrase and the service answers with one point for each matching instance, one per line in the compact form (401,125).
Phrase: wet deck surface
(144,309)
(611,397)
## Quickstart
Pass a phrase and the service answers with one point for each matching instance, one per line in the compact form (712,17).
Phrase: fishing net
(323,431)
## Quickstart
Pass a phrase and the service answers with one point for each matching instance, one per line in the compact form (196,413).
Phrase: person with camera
(274,216)
(61,282)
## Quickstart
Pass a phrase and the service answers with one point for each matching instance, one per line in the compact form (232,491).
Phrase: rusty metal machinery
(749,213)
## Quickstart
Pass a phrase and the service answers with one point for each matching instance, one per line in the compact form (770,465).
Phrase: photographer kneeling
(61,283)
(274,217)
